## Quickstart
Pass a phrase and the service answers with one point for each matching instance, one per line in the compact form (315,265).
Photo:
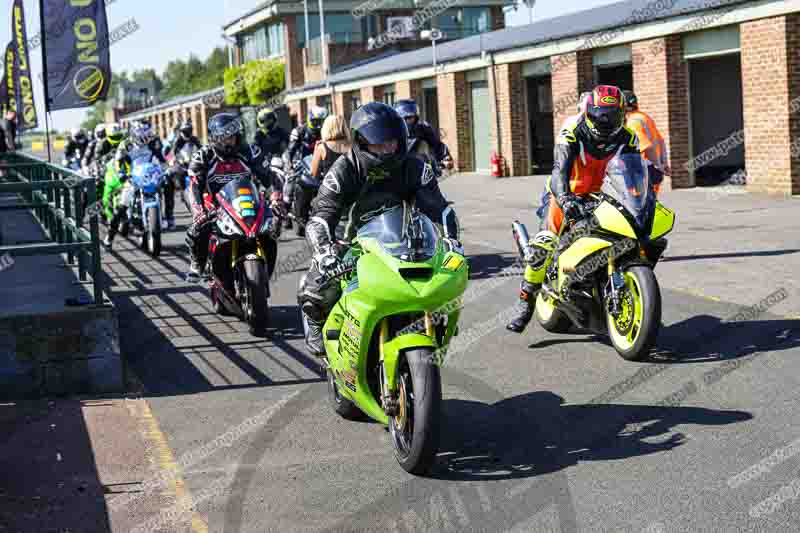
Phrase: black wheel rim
(402,425)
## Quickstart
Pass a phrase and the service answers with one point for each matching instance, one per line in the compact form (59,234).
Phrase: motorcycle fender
(612,220)
(249,257)
(393,349)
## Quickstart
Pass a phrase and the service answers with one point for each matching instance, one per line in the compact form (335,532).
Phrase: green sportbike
(387,334)
(112,195)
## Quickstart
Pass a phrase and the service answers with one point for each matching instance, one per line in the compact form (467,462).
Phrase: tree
(254,82)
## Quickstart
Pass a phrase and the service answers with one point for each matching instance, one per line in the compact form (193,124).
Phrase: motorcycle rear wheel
(633,333)
(550,318)
(415,430)
(341,405)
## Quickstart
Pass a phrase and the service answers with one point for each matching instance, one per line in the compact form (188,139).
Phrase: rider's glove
(453,245)
(201,217)
(571,205)
(327,259)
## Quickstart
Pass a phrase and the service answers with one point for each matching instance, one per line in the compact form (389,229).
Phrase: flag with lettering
(77,58)
(26,109)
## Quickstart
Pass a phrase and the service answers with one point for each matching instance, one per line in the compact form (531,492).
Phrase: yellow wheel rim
(625,328)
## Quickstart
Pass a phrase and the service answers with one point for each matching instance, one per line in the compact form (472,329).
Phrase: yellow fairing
(577,252)
(614,221)
(663,222)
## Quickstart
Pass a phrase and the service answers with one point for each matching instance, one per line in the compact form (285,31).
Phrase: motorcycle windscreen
(241,195)
(147,177)
(627,180)
(396,233)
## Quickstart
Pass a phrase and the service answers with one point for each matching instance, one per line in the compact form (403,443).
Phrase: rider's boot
(314,337)
(544,245)
(524,311)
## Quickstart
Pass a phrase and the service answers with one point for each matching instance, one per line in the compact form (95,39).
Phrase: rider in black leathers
(374,176)
(77,144)
(271,138)
(302,141)
(226,156)
(423,131)
(185,136)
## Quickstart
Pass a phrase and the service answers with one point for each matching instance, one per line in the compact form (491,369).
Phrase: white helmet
(100,131)
(77,134)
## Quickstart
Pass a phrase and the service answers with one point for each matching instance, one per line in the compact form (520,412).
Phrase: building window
(388,95)
(263,42)
(341,28)
(458,23)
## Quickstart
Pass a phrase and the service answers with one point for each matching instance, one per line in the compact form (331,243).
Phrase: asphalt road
(540,432)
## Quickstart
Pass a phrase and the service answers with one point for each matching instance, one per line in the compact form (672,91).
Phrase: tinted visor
(382,130)
(607,119)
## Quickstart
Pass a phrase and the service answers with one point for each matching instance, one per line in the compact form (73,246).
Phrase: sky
(172,29)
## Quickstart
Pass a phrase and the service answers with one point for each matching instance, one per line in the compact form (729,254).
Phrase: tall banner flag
(77,61)
(9,91)
(26,110)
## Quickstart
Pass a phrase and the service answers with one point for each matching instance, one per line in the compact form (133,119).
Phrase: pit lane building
(721,79)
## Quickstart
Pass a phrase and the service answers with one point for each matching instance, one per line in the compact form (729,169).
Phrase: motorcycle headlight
(227,225)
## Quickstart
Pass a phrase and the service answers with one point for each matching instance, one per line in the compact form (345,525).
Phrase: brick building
(275,29)
(721,81)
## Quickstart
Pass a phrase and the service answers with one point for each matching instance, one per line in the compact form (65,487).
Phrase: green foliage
(235,90)
(254,82)
(187,77)
(263,79)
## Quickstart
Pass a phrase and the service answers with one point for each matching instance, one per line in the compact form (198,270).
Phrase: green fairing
(381,291)
(110,192)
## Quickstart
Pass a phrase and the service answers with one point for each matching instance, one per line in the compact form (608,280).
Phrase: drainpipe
(498,142)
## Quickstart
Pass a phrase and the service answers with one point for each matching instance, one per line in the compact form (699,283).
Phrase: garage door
(479,92)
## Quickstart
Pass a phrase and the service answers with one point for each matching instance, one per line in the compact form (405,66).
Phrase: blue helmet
(407,108)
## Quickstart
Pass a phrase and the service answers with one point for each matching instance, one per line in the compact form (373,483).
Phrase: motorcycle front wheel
(415,429)
(254,293)
(634,330)
(153,234)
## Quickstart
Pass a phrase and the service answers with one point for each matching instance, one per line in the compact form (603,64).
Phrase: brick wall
(572,74)
(408,89)
(295,76)
(793,53)
(508,104)
(769,56)
(497,18)
(661,82)
(454,117)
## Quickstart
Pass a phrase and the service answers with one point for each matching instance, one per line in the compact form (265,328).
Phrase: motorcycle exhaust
(522,239)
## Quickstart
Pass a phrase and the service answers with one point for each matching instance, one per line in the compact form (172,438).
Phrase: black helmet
(378,123)
(186,129)
(225,133)
(267,119)
(407,108)
(631,100)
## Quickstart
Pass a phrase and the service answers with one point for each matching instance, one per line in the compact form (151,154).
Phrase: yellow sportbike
(601,275)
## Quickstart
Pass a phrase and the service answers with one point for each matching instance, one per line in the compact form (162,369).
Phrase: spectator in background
(9,132)
(651,143)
